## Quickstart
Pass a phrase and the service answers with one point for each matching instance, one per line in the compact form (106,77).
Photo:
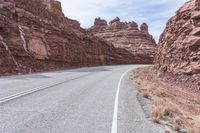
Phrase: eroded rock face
(35,36)
(128,36)
(178,54)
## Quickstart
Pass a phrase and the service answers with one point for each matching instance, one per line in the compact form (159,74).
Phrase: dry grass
(162,109)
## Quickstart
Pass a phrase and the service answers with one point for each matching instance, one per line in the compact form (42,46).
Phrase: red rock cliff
(178,54)
(35,36)
(128,36)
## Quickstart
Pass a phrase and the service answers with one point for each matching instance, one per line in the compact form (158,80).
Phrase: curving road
(86,100)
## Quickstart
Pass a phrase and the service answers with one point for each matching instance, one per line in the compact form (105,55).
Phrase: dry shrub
(155,115)
(145,94)
(160,110)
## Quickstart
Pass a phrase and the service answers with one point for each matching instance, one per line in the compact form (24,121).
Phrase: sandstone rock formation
(178,55)
(35,36)
(53,6)
(126,35)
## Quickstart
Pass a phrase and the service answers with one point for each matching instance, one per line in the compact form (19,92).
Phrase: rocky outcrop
(35,36)
(178,55)
(53,6)
(128,36)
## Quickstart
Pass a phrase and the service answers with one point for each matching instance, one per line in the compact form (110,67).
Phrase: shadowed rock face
(128,36)
(35,36)
(179,47)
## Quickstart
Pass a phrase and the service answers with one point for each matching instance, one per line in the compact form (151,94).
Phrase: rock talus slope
(178,54)
(128,36)
(35,36)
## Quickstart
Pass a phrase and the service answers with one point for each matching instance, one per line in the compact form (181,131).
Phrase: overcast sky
(154,12)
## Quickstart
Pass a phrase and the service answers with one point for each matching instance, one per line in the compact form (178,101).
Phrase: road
(85,100)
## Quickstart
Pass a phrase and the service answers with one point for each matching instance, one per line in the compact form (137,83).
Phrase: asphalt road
(86,100)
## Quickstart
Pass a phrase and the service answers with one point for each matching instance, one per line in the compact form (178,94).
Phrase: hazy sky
(154,12)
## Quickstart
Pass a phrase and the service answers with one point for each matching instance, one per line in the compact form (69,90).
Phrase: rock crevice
(22,34)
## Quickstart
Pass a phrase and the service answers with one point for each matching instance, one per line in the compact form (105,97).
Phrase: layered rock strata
(35,36)
(128,36)
(178,55)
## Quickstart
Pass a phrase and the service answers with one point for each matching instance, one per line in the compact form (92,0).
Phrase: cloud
(154,12)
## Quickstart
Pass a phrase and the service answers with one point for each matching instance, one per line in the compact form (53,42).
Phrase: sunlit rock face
(128,36)
(54,6)
(35,36)
(179,46)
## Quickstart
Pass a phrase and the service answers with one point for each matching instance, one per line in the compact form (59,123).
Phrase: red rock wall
(128,36)
(178,53)
(34,37)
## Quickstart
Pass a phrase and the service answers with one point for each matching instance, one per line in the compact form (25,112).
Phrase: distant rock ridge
(126,35)
(178,54)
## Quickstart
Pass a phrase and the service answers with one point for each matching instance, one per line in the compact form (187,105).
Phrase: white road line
(115,114)
(33,90)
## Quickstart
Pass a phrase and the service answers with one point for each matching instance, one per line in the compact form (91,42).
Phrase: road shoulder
(131,115)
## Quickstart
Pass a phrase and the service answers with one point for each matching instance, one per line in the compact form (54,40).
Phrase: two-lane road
(86,100)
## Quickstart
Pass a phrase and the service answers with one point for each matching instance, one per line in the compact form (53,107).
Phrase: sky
(154,12)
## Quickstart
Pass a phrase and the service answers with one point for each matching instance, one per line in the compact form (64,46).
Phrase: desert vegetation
(169,106)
